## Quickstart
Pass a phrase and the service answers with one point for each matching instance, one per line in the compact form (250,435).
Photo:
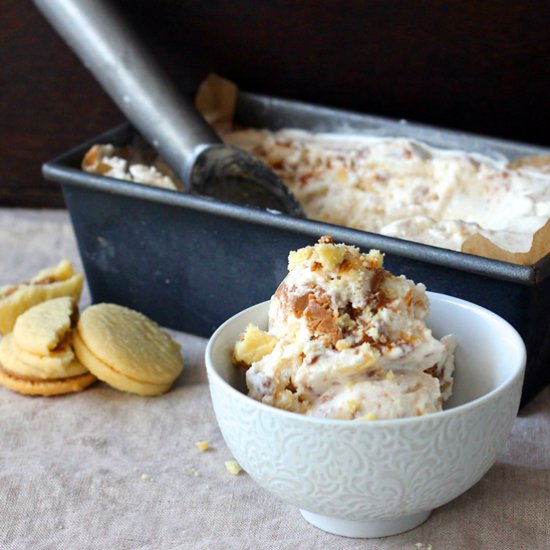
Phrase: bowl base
(365,528)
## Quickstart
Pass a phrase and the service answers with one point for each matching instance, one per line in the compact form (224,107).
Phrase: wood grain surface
(477,66)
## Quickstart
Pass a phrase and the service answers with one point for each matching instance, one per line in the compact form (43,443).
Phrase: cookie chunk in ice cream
(347,339)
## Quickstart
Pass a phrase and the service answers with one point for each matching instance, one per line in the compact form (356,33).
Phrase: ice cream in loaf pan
(406,189)
(393,186)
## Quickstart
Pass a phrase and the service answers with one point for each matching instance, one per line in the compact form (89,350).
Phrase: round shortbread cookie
(44,367)
(56,360)
(127,350)
(44,327)
(48,284)
(114,378)
(45,388)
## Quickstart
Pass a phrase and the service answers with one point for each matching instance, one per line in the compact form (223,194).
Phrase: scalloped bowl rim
(517,341)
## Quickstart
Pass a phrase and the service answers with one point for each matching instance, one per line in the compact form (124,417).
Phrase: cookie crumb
(233,467)
(202,446)
(146,477)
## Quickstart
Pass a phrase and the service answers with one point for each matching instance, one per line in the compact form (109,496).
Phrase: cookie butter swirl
(347,339)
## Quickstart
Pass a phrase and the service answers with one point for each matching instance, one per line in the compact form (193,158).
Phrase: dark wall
(478,66)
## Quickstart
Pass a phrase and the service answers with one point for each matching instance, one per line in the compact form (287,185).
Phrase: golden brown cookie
(35,366)
(127,350)
(49,283)
(40,345)
(46,388)
(51,368)
(55,360)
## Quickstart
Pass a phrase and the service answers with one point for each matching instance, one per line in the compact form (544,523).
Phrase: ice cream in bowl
(361,398)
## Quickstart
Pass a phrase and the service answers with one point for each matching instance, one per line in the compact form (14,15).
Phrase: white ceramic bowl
(377,478)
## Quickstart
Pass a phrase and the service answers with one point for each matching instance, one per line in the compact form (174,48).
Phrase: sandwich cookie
(42,339)
(127,350)
(37,358)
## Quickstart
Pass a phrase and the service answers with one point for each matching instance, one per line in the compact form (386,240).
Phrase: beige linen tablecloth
(72,468)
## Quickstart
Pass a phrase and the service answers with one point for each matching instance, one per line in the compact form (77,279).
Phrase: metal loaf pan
(191,262)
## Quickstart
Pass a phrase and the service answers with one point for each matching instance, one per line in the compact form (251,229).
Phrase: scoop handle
(128,73)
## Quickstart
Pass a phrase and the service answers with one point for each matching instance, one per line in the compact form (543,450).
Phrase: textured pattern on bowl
(374,471)
(365,471)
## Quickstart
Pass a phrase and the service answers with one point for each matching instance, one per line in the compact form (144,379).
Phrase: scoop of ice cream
(349,340)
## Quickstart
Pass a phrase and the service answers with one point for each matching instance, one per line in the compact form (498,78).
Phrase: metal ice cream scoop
(129,74)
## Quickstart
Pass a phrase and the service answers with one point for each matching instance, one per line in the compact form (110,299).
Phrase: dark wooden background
(478,66)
